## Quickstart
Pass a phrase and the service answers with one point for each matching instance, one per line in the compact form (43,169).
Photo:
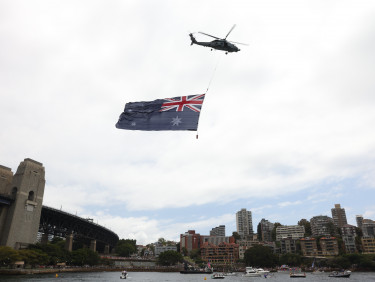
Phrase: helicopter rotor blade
(230,31)
(238,43)
(209,35)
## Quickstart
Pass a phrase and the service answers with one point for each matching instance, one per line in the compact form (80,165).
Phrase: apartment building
(290,231)
(329,246)
(224,253)
(244,223)
(319,225)
(339,216)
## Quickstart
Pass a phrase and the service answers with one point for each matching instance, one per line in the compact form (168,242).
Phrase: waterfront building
(243,245)
(329,246)
(368,228)
(266,230)
(368,245)
(319,225)
(309,247)
(161,249)
(288,245)
(244,223)
(289,231)
(218,231)
(349,233)
(338,216)
(190,241)
(216,240)
(224,253)
(359,220)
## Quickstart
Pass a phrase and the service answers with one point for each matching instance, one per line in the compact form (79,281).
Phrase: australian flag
(179,113)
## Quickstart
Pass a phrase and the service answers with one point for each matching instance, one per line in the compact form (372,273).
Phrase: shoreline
(82,269)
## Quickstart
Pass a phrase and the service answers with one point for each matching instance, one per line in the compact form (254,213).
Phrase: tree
(85,256)
(126,247)
(184,251)
(236,236)
(162,242)
(307,225)
(8,255)
(290,259)
(34,257)
(259,255)
(169,258)
(259,231)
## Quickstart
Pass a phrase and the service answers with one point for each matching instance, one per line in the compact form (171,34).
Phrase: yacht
(251,272)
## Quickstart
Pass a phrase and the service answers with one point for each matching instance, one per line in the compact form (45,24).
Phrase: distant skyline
(285,131)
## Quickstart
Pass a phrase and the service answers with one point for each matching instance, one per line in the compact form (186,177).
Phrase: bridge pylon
(21,224)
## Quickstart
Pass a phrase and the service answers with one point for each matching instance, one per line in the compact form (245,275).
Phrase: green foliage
(307,225)
(184,252)
(169,258)
(194,254)
(259,231)
(290,259)
(259,255)
(236,236)
(85,256)
(34,257)
(8,255)
(126,247)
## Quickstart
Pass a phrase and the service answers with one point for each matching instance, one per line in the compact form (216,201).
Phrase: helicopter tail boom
(193,40)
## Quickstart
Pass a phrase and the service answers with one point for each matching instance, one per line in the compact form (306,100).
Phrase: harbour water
(162,276)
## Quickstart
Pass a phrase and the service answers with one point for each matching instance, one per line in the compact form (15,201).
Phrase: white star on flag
(176,121)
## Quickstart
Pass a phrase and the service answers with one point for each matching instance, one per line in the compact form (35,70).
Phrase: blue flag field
(178,113)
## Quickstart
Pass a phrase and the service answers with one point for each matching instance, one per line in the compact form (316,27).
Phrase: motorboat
(262,271)
(251,272)
(230,273)
(297,275)
(124,275)
(284,269)
(340,274)
(217,276)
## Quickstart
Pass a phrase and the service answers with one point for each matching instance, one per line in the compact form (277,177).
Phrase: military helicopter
(218,44)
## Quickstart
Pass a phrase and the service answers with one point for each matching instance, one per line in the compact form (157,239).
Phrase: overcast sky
(287,128)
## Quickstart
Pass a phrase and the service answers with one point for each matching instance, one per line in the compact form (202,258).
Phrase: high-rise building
(339,216)
(190,241)
(244,223)
(359,219)
(320,225)
(218,231)
(266,228)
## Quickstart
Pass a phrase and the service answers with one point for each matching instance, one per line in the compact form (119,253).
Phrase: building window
(31,196)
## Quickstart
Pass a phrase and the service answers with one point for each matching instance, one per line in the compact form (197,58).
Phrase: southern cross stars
(176,121)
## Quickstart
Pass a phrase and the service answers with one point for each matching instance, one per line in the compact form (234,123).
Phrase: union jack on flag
(193,103)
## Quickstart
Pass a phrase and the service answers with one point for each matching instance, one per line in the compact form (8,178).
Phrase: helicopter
(218,44)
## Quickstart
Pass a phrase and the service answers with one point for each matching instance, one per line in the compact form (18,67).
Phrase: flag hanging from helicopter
(178,113)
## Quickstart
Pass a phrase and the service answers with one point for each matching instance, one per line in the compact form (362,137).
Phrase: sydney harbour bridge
(72,227)
(23,215)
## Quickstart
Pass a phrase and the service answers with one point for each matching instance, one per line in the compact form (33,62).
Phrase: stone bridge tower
(22,217)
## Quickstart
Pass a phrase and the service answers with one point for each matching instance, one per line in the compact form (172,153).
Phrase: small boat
(251,272)
(124,275)
(340,274)
(217,276)
(284,269)
(297,275)
(230,273)
(261,271)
